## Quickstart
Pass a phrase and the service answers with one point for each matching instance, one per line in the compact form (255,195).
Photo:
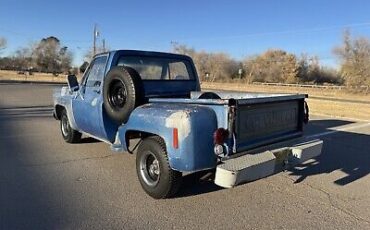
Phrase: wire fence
(301,85)
(335,87)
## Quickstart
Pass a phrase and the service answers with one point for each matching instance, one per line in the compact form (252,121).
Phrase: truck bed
(260,118)
(242,98)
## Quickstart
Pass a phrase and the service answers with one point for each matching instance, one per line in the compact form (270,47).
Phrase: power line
(291,32)
(95,35)
(33,37)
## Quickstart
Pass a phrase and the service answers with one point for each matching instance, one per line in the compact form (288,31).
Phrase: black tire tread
(74,136)
(175,177)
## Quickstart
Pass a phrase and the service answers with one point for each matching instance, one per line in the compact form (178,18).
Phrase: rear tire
(69,134)
(153,169)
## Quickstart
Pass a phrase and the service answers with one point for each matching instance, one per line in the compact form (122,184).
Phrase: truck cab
(156,98)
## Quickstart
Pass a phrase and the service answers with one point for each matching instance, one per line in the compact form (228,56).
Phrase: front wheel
(153,170)
(69,134)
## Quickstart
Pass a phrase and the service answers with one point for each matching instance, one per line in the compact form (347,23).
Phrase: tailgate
(261,121)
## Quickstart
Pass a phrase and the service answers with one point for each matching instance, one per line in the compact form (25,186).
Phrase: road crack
(68,161)
(331,201)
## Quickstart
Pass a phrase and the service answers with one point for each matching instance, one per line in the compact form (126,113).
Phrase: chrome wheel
(150,169)
(65,126)
(153,169)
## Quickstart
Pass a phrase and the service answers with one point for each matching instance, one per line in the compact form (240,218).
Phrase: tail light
(175,138)
(220,136)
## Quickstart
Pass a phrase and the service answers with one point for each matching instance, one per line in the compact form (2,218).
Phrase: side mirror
(84,66)
(73,83)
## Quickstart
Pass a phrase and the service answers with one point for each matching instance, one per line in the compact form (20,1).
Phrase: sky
(239,28)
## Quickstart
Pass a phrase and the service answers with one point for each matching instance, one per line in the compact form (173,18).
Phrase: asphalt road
(46,183)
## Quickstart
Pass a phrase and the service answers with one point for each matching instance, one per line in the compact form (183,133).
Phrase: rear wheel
(69,134)
(153,170)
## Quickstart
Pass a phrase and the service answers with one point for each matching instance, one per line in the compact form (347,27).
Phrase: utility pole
(104,45)
(96,34)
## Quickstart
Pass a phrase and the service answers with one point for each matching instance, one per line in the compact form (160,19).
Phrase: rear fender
(195,125)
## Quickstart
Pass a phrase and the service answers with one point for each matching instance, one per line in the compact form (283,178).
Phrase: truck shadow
(87,140)
(198,183)
(346,151)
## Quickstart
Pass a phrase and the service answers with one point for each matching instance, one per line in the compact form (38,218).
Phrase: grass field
(316,92)
(339,109)
(41,77)
(332,106)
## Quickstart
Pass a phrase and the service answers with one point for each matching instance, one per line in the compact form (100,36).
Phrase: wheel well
(133,134)
(58,111)
(209,95)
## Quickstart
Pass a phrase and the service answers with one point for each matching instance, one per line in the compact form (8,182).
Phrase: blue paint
(195,150)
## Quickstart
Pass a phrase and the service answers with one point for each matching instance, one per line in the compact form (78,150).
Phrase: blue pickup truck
(155,99)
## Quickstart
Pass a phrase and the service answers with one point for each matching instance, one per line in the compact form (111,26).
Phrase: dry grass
(327,93)
(41,77)
(317,106)
(339,109)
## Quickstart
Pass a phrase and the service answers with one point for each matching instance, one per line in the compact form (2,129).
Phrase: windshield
(157,68)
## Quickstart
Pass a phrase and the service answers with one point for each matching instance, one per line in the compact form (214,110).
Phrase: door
(87,107)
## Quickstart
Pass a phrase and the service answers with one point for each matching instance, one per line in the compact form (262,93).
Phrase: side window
(178,71)
(86,73)
(96,72)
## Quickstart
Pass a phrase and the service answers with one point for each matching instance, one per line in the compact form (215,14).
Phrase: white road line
(339,130)
(339,117)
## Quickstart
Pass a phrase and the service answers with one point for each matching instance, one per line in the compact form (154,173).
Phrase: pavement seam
(35,107)
(331,201)
(68,161)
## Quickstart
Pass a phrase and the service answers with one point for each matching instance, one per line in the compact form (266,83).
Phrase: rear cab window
(158,68)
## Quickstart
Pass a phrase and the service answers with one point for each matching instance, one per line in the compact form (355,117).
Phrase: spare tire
(122,93)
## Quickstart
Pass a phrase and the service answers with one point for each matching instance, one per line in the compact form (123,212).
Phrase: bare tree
(272,66)
(354,55)
(23,59)
(51,56)
(222,67)
(216,66)
(183,49)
